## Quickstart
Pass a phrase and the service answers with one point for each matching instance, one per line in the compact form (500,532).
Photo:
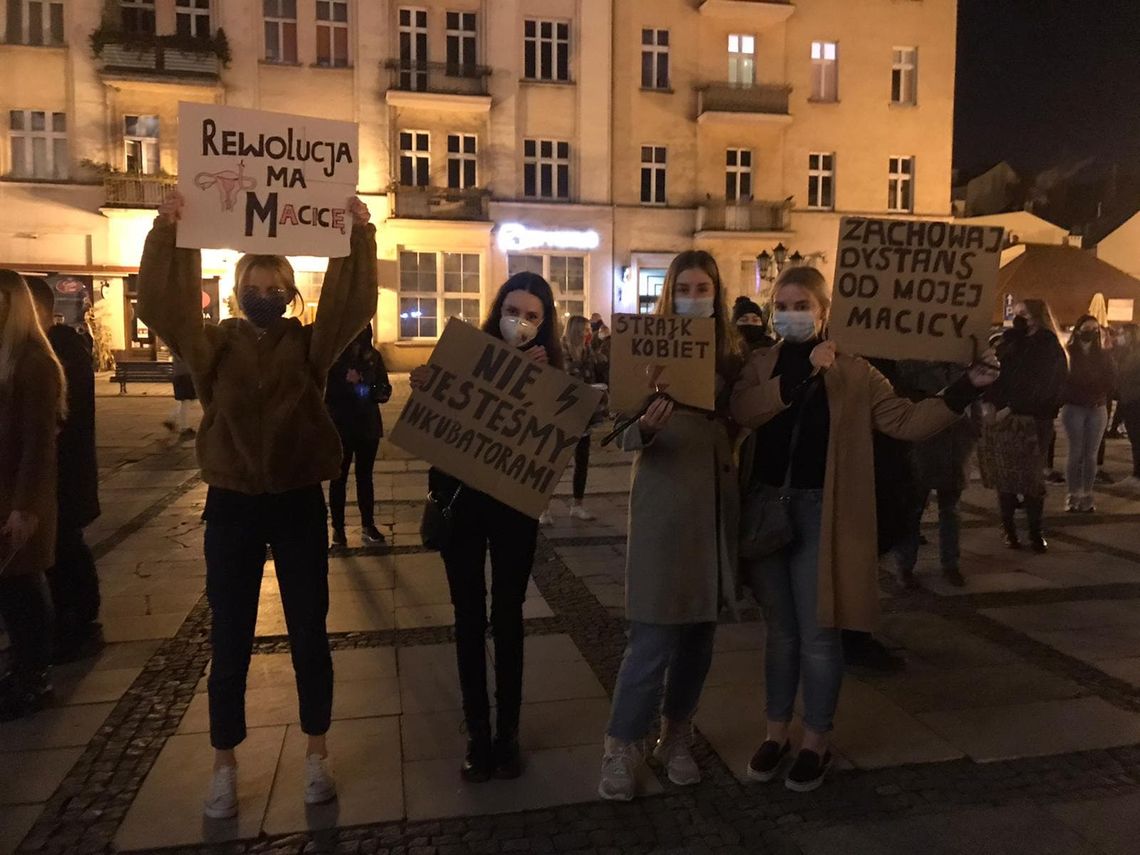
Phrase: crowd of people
(812,466)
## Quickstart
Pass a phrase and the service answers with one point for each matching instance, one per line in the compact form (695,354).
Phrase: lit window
(824,71)
(140,143)
(741,60)
(546,50)
(435,286)
(38,144)
(546,169)
(821,180)
(565,273)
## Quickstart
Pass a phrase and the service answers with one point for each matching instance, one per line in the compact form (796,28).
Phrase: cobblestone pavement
(1014,729)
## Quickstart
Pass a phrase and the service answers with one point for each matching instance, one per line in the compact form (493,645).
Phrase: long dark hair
(1075,349)
(549,334)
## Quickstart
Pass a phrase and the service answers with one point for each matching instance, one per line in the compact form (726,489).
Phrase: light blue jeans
(798,647)
(678,655)
(1084,426)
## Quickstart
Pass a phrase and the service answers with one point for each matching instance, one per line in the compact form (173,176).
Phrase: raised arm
(348,297)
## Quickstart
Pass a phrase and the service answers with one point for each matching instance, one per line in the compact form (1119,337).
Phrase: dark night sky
(1041,81)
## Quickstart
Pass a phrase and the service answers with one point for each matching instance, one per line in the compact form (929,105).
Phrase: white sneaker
(546,519)
(619,766)
(222,801)
(673,753)
(577,512)
(319,784)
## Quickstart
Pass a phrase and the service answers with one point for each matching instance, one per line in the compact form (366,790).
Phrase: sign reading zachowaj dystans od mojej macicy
(263,182)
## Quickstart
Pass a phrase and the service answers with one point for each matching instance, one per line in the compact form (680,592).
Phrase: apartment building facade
(587,140)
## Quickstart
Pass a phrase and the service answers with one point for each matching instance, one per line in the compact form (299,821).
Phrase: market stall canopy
(1067,278)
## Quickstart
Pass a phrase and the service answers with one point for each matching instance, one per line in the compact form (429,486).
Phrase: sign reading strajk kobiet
(263,182)
(906,289)
(662,353)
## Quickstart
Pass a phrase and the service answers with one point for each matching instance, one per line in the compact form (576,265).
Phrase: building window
(546,51)
(280,30)
(546,169)
(434,287)
(35,22)
(654,59)
(653,175)
(904,76)
(137,16)
(824,71)
(821,180)
(462,55)
(192,18)
(332,33)
(741,60)
(38,144)
(462,161)
(413,49)
(738,175)
(900,188)
(415,158)
(140,143)
(565,273)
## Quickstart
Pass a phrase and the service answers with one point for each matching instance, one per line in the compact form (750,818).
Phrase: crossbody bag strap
(814,384)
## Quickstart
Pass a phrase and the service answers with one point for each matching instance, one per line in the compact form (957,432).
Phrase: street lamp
(770,265)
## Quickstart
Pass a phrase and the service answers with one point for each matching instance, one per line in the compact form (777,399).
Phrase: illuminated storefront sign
(514,237)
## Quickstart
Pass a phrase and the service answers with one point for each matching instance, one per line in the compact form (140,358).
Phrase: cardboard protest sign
(675,355)
(495,419)
(263,182)
(906,289)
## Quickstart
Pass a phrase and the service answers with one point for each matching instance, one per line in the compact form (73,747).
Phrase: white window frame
(547,165)
(654,166)
(440,292)
(824,71)
(739,184)
(563,297)
(278,23)
(146,148)
(904,76)
(143,7)
(194,11)
(412,24)
(655,59)
(465,41)
(330,8)
(46,34)
(900,184)
(742,59)
(821,166)
(463,149)
(417,154)
(27,136)
(558,45)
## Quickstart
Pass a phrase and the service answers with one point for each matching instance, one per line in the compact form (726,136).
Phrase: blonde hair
(20,332)
(729,347)
(812,281)
(574,338)
(276,265)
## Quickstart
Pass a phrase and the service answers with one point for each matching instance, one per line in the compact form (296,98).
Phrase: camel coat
(860,400)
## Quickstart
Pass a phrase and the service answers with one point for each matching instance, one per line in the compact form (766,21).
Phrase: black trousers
(1131,415)
(235,561)
(363,449)
(482,523)
(25,606)
(581,466)
(74,582)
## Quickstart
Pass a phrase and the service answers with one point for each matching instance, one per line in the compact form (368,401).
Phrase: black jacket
(354,407)
(78,467)
(1033,375)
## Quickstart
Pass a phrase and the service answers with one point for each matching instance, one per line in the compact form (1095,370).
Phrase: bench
(142,372)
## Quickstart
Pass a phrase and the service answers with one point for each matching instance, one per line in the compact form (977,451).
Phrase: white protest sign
(267,183)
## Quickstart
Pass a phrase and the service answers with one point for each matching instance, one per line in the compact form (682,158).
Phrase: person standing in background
(751,324)
(581,363)
(1085,411)
(600,346)
(1127,356)
(181,420)
(74,579)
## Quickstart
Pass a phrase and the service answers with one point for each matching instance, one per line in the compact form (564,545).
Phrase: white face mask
(694,307)
(516,332)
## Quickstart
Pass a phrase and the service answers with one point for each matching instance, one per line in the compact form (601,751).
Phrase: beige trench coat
(860,400)
(684,518)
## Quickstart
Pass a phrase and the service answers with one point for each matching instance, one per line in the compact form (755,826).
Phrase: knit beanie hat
(745,306)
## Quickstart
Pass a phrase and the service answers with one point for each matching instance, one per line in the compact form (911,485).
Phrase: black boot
(24,696)
(479,763)
(1008,504)
(1035,510)
(508,757)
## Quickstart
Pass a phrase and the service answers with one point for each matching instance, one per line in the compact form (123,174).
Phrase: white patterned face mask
(516,332)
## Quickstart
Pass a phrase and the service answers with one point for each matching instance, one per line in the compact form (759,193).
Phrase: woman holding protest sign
(265,444)
(524,316)
(681,554)
(809,519)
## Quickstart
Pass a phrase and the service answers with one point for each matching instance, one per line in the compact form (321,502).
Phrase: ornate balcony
(728,102)
(436,85)
(441,203)
(753,216)
(760,13)
(137,191)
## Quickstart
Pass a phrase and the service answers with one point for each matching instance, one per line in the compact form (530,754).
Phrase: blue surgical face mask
(694,307)
(794,326)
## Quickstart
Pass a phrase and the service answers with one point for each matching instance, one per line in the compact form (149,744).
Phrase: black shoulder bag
(438,522)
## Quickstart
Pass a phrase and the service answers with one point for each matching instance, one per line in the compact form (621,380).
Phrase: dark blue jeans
(798,648)
(949,529)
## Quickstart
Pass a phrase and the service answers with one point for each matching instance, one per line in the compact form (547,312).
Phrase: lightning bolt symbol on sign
(567,399)
(655,372)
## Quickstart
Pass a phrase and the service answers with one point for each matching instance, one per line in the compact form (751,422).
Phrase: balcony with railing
(177,58)
(730,102)
(137,191)
(759,13)
(438,84)
(751,216)
(441,203)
